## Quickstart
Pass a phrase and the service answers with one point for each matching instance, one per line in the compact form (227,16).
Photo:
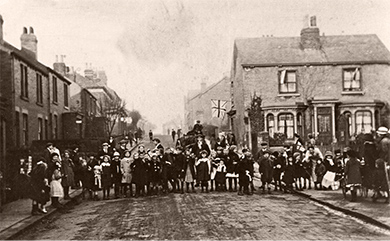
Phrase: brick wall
(313,81)
(30,106)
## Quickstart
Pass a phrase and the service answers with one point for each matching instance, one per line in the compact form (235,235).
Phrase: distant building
(333,86)
(95,84)
(201,106)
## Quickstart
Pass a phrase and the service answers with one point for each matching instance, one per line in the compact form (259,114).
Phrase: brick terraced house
(333,86)
(34,99)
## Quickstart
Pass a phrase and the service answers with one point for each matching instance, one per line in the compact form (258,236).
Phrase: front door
(324,119)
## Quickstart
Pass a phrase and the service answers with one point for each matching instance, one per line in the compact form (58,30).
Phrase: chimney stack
(310,36)
(29,42)
(1,30)
(59,66)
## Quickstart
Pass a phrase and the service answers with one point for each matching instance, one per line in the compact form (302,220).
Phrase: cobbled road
(215,215)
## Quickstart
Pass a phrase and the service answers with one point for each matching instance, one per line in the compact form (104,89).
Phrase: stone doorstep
(28,220)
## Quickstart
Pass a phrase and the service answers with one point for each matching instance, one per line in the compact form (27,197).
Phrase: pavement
(376,213)
(16,216)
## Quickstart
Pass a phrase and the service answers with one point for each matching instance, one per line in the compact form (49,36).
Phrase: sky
(154,51)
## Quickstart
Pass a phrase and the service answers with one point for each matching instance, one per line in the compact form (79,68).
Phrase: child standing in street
(106,177)
(204,167)
(97,178)
(116,174)
(266,170)
(126,163)
(56,189)
(189,168)
(320,171)
(289,174)
(220,177)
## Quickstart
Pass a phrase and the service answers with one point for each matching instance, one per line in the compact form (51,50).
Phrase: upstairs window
(66,95)
(287,81)
(24,81)
(39,89)
(352,79)
(55,91)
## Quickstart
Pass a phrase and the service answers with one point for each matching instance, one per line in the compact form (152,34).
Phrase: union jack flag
(218,108)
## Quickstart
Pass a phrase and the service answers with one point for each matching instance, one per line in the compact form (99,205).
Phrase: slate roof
(271,51)
(27,58)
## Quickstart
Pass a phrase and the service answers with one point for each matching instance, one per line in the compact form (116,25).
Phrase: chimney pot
(29,42)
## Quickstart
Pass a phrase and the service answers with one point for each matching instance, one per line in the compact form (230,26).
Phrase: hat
(49,144)
(203,151)
(220,148)
(263,143)
(266,152)
(233,147)
(328,153)
(116,154)
(382,130)
(105,144)
(122,142)
(156,139)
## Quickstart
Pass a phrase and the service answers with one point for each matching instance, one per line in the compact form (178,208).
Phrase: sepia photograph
(194,119)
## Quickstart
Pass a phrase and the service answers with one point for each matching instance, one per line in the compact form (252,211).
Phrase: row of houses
(335,87)
(39,103)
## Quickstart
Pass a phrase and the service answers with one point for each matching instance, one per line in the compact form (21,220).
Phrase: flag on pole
(218,108)
(282,76)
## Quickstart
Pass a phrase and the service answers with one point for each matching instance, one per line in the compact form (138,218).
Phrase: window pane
(291,87)
(291,77)
(283,88)
(355,84)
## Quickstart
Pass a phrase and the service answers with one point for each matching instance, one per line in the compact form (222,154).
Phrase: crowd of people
(203,167)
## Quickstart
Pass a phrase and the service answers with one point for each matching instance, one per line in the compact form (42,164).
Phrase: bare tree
(112,111)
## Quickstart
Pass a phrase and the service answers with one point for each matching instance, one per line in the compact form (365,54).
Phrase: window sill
(24,98)
(56,103)
(66,107)
(353,92)
(288,94)
(40,104)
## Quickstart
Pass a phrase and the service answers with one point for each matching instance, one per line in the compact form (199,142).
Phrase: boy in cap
(266,170)
(116,173)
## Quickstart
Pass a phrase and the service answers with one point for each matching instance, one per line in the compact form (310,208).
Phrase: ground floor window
(363,121)
(286,124)
(270,124)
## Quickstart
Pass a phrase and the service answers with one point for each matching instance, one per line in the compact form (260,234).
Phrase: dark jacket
(352,171)
(116,171)
(266,167)
(67,170)
(232,162)
(196,149)
(139,172)
(189,161)
(242,167)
